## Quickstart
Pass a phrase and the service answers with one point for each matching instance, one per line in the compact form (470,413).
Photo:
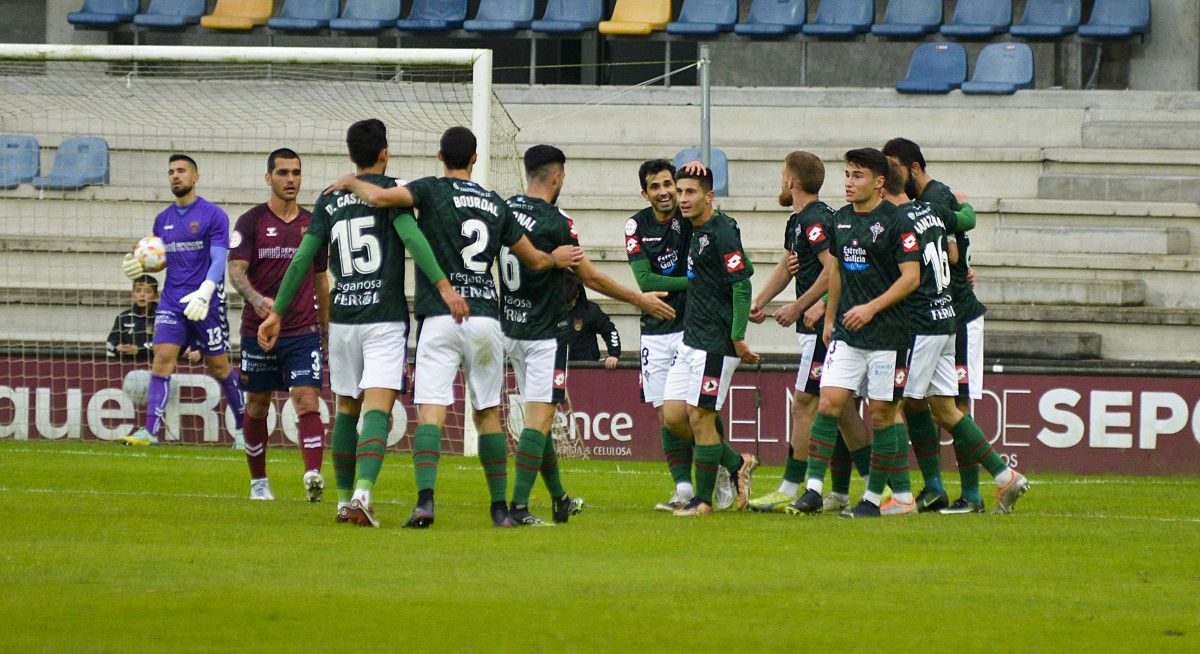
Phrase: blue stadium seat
(570,16)
(434,16)
(1001,69)
(774,18)
(304,15)
(171,14)
(719,166)
(20,161)
(704,17)
(1047,19)
(104,13)
(909,19)
(979,19)
(841,18)
(935,68)
(1121,19)
(367,16)
(80,161)
(501,16)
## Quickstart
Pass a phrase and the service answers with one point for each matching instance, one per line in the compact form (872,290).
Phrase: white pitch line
(126,453)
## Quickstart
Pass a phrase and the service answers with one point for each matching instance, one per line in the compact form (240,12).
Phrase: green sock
(344,442)
(368,458)
(730,459)
(883,450)
(862,460)
(679,456)
(821,442)
(900,480)
(550,470)
(976,450)
(840,466)
(794,469)
(708,457)
(493,455)
(427,449)
(969,477)
(529,461)
(925,445)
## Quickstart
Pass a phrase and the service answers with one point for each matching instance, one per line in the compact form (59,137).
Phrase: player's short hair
(365,140)
(145,279)
(705,178)
(183,157)
(807,168)
(540,160)
(654,167)
(906,151)
(458,146)
(281,153)
(869,158)
(895,180)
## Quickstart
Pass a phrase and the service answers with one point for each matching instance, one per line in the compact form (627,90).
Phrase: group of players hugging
(884,312)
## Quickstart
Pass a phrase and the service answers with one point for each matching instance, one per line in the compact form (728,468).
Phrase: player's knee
(217,367)
(258,405)
(883,413)
(804,404)
(304,399)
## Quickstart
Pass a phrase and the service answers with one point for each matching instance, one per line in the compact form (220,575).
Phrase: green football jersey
(466,225)
(532,301)
(930,307)
(966,305)
(715,261)
(806,236)
(366,256)
(869,249)
(663,244)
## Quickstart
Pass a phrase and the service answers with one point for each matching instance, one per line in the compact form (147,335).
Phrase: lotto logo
(909,242)
(734,261)
(816,234)
(815,371)
(631,245)
(901,376)
(560,378)
(709,386)
(962,373)
(571,226)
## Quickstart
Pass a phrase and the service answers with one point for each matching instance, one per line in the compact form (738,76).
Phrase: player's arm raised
(422,255)
(650,303)
(563,256)
(376,196)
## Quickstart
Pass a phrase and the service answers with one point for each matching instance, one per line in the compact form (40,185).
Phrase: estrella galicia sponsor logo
(667,261)
(854,257)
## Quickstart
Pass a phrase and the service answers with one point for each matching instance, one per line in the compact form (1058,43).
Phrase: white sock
(791,489)
(873,498)
(684,490)
(817,485)
(903,498)
(844,499)
(363,497)
(1004,477)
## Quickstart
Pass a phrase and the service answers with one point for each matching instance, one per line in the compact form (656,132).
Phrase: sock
(794,470)
(685,490)
(862,460)
(969,439)
(820,449)
(550,469)
(368,457)
(312,440)
(529,461)
(708,457)
(256,446)
(899,478)
(233,395)
(493,455)
(969,478)
(427,449)
(344,442)
(730,459)
(883,450)
(156,401)
(840,466)
(925,445)
(679,457)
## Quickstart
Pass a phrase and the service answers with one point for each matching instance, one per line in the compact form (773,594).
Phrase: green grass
(107,549)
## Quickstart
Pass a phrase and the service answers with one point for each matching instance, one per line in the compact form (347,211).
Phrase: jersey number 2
(351,238)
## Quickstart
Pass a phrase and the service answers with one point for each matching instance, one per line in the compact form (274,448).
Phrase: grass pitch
(109,549)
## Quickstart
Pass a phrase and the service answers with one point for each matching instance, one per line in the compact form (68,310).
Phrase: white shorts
(931,369)
(443,346)
(812,361)
(700,378)
(658,351)
(968,359)
(369,355)
(540,367)
(874,374)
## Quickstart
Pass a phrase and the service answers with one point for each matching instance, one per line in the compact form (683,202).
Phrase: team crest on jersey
(961,371)
(876,231)
(814,372)
(901,377)
(703,241)
(675,226)
(577,324)
(560,378)
(194,226)
(271,231)
(632,246)
(709,386)
(734,261)
(630,227)
(816,234)
(909,242)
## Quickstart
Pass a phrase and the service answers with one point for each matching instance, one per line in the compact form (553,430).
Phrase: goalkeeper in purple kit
(191,310)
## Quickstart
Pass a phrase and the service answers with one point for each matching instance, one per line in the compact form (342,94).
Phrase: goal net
(85,136)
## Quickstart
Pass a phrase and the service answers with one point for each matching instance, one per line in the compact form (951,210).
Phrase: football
(151,253)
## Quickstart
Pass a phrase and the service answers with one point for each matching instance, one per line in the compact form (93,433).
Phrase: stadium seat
(841,18)
(1002,68)
(171,14)
(719,166)
(978,19)
(238,15)
(104,13)
(434,16)
(773,18)
(1112,19)
(909,19)
(935,68)
(570,16)
(367,16)
(20,161)
(80,161)
(704,18)
(1047,19)
(304,15)
(638,17)
(501,16)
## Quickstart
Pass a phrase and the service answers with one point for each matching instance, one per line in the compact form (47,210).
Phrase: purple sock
(233,395)
(156,403)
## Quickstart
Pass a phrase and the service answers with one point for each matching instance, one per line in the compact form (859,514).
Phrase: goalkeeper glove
(196,302)
(132,267)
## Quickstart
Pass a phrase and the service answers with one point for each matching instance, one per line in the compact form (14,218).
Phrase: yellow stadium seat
(638,17)
(238,14)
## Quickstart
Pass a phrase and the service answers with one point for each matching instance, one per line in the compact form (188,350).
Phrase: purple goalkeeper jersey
(188,233)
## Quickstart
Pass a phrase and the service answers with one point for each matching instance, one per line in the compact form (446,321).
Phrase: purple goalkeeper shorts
(209,336)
